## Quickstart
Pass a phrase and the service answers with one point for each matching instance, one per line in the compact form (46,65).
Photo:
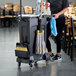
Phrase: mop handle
(41,10)
(40,16)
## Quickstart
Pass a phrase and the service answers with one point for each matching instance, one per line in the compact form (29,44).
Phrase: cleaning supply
(40,43)
(44,8)
(53,26)
(48,8)
(38,3)
(37,41)
(43,43)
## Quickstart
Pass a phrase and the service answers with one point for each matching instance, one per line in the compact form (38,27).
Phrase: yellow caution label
(42,48)
(21,49)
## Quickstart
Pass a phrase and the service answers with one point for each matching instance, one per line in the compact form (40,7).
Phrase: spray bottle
(44,8)
(48,8)
(38,6)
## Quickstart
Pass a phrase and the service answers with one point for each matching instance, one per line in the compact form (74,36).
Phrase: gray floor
(8,64)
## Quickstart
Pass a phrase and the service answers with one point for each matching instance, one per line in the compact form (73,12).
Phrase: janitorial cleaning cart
(29,26)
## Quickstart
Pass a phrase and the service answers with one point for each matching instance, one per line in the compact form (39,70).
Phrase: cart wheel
(46,60)
(46,56)
(31,65)
(19,64)
(36,65)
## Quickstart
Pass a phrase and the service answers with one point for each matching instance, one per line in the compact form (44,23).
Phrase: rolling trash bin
(32,47)
(33,39)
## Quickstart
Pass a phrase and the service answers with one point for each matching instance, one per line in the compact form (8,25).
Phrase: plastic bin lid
(31,15)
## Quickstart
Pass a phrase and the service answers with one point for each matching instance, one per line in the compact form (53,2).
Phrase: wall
(72,0)
(25,2)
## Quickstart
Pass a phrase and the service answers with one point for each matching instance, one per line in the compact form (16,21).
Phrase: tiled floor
(8,64)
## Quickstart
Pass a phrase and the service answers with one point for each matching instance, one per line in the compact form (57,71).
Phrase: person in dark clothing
(57,7)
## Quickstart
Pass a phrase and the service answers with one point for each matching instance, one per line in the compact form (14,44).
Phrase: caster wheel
(19,64)
(36,65)
(31,65)
(46,56)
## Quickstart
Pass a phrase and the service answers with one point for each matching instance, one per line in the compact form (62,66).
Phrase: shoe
(57,58)
(52,55)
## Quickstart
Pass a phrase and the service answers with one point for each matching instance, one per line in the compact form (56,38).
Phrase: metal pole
(20,7)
